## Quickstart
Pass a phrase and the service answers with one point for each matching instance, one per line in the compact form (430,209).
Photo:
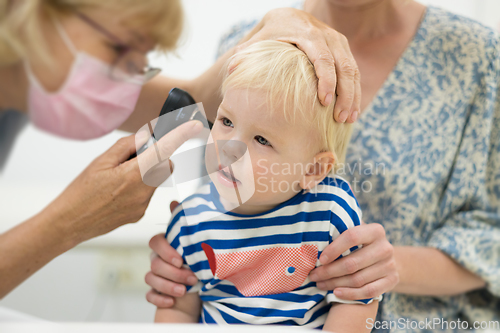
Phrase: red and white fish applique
(266,271)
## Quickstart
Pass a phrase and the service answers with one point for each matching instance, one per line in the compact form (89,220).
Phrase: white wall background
(102,280)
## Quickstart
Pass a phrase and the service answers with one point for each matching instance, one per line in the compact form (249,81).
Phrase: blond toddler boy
(274,203)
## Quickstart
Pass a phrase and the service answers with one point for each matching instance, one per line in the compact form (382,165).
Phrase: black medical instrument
(185,109)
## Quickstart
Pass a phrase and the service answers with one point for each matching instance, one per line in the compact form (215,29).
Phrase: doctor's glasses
(130,63)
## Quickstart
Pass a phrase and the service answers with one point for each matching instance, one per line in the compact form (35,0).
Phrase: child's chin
(227,193)
(233,193)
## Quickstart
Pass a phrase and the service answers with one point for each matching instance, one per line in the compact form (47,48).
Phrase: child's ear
(317,171)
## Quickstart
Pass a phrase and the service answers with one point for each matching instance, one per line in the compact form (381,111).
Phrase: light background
(102,280)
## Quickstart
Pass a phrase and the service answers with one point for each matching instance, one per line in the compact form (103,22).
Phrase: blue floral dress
(424,161)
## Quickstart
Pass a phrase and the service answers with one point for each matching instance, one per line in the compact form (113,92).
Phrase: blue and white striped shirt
(254,268)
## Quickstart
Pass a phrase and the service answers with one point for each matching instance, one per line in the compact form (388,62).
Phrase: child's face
(270,158)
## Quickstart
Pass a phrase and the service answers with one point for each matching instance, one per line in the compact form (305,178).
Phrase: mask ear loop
(69,44)
(64,35)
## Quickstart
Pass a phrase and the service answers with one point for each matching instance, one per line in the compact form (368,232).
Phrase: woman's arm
(187,309)
(327,49)
(107,194)
(420,270)
(354,318)
(370,270)
(428,271)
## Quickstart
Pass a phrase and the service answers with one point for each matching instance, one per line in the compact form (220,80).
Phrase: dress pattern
(424,161)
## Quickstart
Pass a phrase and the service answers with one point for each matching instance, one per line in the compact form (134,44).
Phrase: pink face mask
(89,104)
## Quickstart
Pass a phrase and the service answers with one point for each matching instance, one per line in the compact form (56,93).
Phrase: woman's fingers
(356,104)
(167,275)
(369,290)
(159,300)
(359,235)
(167,253)
(164,286)
(354,262)
(346,72)
(351,73)
(177,275)
(323,60)
(360,278)
(318,53)
(365,273)
(327,49)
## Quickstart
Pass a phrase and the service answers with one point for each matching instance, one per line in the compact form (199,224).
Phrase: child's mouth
(226,177)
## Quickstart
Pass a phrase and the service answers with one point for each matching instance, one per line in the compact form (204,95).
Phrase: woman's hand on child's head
(365,273)
(328,51)
(167,277)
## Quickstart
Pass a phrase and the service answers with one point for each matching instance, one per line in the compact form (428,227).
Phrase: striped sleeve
(173,235)
(173,232)
(345,214)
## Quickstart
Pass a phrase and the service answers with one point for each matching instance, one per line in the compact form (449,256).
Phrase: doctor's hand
(111,192)
(328,51)
(365,273)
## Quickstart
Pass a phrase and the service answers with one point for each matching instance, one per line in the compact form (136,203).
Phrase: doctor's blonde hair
(288,77)
(20,24)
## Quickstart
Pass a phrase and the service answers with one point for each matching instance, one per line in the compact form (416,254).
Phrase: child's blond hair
(287,75)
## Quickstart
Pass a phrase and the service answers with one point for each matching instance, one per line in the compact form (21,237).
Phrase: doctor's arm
(109,193)
(327,49)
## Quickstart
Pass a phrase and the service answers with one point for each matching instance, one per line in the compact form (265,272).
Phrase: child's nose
(232,151)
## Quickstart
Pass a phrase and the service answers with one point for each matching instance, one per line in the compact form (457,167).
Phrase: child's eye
(262,140)
(227,122)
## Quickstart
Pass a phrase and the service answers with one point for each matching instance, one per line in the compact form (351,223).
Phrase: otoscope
(185,109)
